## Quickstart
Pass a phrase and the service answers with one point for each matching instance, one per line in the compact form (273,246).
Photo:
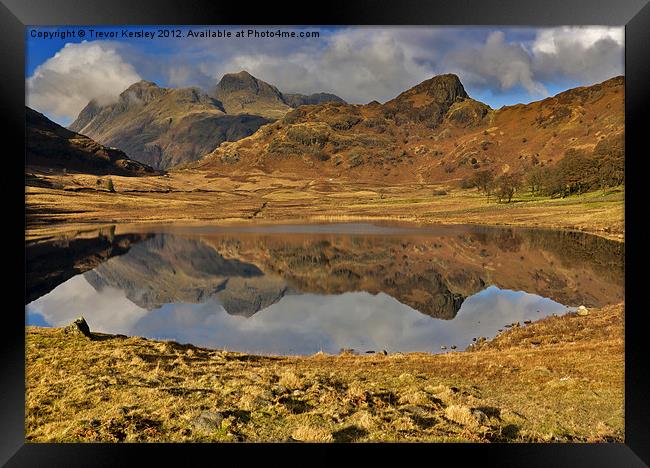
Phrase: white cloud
(548,41)
(496,63)
(64,84)
(365,63)
(359,64)
(297,324)
(106,311)
(587,54)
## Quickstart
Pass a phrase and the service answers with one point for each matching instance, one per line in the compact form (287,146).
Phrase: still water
(300,289)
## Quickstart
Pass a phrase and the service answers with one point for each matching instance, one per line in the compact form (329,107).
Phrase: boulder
(78,327)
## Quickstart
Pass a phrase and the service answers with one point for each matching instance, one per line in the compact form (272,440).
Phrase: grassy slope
(559,379)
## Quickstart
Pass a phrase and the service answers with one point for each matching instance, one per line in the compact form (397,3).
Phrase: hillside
(431,132)
(560,379)
(50,146)
(164,127)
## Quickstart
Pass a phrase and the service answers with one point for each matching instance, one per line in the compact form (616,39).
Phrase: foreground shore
(59,203)
(560,379)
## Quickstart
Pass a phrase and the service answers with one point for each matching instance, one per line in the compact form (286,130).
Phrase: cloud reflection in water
(297,324)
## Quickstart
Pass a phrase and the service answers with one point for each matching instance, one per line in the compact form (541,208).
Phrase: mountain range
(432,132)
(163,127)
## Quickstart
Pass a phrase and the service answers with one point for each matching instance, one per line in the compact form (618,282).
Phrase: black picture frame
(633,14)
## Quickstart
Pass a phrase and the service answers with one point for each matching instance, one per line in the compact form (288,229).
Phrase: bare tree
(506,185)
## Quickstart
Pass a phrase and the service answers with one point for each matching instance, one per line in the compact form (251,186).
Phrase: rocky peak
(444,90)
(297,100)
(242,93)
(141,92)
(244,81)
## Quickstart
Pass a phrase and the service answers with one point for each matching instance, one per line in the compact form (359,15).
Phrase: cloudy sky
(497,65)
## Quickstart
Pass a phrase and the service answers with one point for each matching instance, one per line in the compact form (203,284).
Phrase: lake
(301,289)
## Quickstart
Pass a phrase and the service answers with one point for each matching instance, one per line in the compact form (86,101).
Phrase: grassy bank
(558,379)
(69,202)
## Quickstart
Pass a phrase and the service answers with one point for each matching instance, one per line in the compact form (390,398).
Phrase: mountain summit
(242,93)
(163,127)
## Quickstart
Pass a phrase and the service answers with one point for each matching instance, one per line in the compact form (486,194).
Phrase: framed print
(385,224)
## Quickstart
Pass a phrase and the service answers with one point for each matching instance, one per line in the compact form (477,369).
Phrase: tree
(483,181)
(506,185)
(111,187)
(535,179)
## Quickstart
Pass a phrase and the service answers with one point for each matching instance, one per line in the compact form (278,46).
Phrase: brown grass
(559,379)
(192,197)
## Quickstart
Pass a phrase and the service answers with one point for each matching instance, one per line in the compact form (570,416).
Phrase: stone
(78,327)
(480,417)
(582,311)
(208,421)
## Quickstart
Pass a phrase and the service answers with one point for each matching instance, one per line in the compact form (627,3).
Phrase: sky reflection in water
(300,324)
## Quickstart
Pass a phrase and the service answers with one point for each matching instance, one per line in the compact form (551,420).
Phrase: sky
(497,65)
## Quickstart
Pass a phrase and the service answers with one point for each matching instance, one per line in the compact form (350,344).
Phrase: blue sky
(497,65)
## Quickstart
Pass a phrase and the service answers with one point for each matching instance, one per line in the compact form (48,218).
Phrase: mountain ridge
(433,131)
(163,127)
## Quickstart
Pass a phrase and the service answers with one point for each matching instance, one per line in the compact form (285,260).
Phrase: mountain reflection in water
(300,292)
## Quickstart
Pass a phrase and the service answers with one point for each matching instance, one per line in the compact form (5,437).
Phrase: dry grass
(559,379)
(191,197)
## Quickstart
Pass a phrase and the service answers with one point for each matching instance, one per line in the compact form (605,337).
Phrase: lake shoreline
(43,234)
(560,378)
(73,202)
